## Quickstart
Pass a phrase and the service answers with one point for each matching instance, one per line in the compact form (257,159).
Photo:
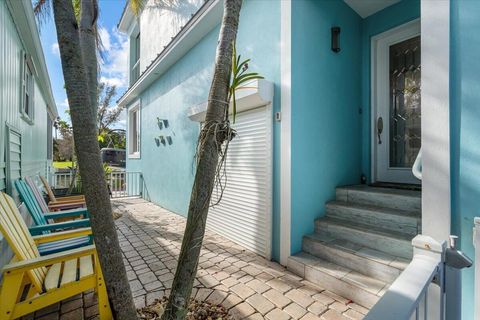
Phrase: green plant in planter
(239,76)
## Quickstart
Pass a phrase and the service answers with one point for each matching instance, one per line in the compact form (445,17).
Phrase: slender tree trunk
(208,157)
(88,45)
(88,155)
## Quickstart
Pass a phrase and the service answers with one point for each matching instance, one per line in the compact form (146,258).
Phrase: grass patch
(62,164)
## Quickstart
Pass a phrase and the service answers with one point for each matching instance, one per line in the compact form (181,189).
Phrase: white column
(435,30)
(285,135)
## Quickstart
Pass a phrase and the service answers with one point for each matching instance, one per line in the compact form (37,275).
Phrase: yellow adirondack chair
(32,282)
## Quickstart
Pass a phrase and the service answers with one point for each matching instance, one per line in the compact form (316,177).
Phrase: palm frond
(42,10)
(137,6)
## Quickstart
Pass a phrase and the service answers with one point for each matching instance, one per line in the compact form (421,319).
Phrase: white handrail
(476,244)
(417,166)
(408,296)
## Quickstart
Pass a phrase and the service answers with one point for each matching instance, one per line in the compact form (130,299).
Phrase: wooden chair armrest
(60,205)
(66,202)
(80,232)
(44,261)
(67,213)
(66,199)
(35,230)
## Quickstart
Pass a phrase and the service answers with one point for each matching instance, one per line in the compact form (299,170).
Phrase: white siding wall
(34,137)
(159,23)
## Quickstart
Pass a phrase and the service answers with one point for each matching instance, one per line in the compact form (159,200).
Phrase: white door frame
(379,97)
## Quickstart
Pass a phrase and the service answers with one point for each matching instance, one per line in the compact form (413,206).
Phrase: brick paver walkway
(250,286)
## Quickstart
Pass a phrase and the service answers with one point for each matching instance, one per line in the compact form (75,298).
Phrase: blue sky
(114,66)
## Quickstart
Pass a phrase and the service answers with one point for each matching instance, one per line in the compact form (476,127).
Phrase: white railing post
(476,244)
(418,292)
(434,297)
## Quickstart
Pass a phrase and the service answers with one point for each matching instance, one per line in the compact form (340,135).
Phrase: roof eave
(206,18)
(24,19)
(126,19)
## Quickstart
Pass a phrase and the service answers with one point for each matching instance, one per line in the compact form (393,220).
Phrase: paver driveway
(248,285)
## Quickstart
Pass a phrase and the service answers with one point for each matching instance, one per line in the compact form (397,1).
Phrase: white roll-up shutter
(244,214)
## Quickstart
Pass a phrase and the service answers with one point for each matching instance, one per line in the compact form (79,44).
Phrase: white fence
(125,184)
(418,285)
(121,184)
(62,179)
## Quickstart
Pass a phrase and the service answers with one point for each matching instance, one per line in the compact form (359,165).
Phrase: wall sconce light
(162,140)
(336,39)
(162,123)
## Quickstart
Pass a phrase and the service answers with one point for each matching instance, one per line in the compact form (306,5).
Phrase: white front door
(396,121)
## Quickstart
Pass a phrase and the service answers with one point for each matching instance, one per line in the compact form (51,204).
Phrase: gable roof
(24,19)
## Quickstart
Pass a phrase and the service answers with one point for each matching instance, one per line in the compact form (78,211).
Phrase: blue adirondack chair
(43,226)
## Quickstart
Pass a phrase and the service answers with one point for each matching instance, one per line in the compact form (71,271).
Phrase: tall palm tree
(214,134)
(77,38)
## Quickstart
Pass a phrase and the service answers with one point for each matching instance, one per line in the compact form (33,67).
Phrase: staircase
(363,242)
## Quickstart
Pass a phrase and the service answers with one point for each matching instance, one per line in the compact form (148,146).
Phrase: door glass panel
(405,108)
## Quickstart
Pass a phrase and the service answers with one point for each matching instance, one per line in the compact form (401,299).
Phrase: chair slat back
(37,193)
(28,198)
(16,232)
(51,195)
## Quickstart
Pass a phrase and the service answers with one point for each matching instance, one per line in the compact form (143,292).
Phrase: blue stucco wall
(465,129)
(390,17)
(326,98)
(168,170)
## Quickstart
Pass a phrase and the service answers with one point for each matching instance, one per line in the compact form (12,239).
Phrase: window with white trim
(134,132)
(135,58)
(28,89)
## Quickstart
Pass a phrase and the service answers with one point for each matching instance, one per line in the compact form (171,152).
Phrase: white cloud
(113,81)
(63,104)
(105,37)
(114,68)
(56,49)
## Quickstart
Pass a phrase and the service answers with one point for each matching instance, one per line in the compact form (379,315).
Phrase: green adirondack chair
(45,226)
(35,210)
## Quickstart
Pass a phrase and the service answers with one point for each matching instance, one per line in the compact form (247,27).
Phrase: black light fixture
(335,39)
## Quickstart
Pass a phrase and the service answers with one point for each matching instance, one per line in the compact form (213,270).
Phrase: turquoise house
(27,106)
(325,172)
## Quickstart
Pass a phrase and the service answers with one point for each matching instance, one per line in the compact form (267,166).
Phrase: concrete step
(382,197)
(345,282)
(388,241)
(370,262)
(407,222)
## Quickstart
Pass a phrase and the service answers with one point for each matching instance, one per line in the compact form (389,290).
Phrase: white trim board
(285,136)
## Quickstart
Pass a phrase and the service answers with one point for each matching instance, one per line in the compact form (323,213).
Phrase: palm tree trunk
(208,157)
(88,154)
(88,45)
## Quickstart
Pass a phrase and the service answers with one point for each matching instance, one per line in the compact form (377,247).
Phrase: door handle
(379,129)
